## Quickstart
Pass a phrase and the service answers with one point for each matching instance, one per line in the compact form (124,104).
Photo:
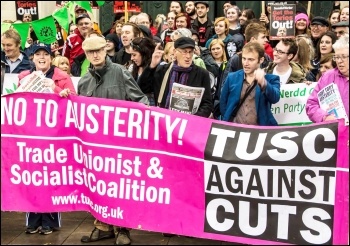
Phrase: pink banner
(153,169)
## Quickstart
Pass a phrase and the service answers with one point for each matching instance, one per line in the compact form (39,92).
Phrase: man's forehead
(250,54)
(84,20)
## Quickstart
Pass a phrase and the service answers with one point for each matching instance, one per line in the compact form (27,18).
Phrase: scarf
(175,78)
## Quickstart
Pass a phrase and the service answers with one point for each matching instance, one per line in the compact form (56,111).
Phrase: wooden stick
(263,7)
(308,8)
(126,12)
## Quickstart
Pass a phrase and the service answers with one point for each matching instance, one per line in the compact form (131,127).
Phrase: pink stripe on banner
(157,170)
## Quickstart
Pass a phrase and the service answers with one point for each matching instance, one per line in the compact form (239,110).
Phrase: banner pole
(263,7)
(308,8)
(126,11)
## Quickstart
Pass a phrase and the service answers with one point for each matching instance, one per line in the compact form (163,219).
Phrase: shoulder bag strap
(234,113)
(165,80)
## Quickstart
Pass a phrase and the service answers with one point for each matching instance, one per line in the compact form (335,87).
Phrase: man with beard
(191,10)
(202,24)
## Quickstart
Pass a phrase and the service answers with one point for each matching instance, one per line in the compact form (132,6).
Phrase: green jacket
(298,74)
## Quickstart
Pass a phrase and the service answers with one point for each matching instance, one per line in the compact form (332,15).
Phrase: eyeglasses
(280,52)
(170,18)
(91,52)
(183,52)
(144,23)
(84,23)
(340,58)
(317,25)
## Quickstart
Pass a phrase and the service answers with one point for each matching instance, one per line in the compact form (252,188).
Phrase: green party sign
(45,29)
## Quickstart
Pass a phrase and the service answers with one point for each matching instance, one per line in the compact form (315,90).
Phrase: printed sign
(133,6)
(94,4)
(27,7)
(282,21)
(128,163)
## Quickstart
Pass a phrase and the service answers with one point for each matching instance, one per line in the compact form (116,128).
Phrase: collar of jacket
(98,73)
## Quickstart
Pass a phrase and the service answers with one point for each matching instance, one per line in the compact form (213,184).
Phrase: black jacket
(209,32)
(151,81)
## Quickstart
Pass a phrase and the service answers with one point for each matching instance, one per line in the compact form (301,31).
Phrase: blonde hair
(61,59)
(167,50)
(225,20)
(219,42)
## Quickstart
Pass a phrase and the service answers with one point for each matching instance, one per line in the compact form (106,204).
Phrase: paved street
(77,224)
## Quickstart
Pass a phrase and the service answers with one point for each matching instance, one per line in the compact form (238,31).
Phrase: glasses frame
(91,52)
(185,52)
(280,52)
(341,58)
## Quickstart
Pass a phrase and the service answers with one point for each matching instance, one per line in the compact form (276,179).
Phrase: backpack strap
(165,80)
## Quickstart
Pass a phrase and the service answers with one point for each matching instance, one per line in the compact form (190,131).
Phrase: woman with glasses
(141,56)
(339,76)
(324,46)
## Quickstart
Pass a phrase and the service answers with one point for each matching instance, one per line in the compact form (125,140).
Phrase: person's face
(54,45)
(118,29)
(341,30)
(280,53)
(250,61)
(184,57)
(189,6)
(27,17)
(80,12)
(84,26)
(127,35)
(317,30)
(109,45)
(72,29)
(243,18)
(170,56)
(282,32)
(344,15)
(334,18)
(324,67)
(96,57)
(201,10)
(175,6)
(143,20)
(301,24)
(136,57)
(181,22)
(268,9)
(262,39)
(217,52)
(42,60)
(342,60)
(325,45)
(220,28)
(225,7)
(64,66)
(10,48)
(171,19)
(175,36)
(232,15)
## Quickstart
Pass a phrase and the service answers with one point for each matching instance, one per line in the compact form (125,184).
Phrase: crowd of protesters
(231,57)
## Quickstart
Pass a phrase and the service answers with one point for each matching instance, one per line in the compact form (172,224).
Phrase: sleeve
(206,106)
(66,49)
(313,109)
(133,91)
(224,97)
(66,83)
(272,90)
(231,67)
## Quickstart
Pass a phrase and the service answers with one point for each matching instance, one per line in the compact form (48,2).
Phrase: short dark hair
(293,46)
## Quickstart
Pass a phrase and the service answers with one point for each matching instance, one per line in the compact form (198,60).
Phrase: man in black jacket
(181,71)
(202,24)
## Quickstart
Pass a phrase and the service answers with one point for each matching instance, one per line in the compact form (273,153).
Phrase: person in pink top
(59,81)
(339,76)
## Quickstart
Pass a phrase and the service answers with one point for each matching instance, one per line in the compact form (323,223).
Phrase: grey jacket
(112,81)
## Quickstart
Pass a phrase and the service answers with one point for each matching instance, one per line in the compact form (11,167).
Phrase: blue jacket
(25,64)
(231,94)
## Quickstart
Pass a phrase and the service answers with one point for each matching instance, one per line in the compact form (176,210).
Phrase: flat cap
(94,43)
(320,20)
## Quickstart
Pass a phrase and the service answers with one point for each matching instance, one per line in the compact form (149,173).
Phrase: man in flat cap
(319,26)
(159,79)
(341,28)
(113,81)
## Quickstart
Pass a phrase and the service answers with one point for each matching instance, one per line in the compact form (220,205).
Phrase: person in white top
(283,66)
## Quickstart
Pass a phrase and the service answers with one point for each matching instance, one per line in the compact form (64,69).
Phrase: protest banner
(130,6)
(282,21)
(27,7)
(154,169)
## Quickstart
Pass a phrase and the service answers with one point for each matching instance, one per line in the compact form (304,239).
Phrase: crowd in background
(231,57)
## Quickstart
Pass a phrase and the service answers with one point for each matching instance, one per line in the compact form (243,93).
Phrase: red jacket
(62,80)
(269,50)
(73,46)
